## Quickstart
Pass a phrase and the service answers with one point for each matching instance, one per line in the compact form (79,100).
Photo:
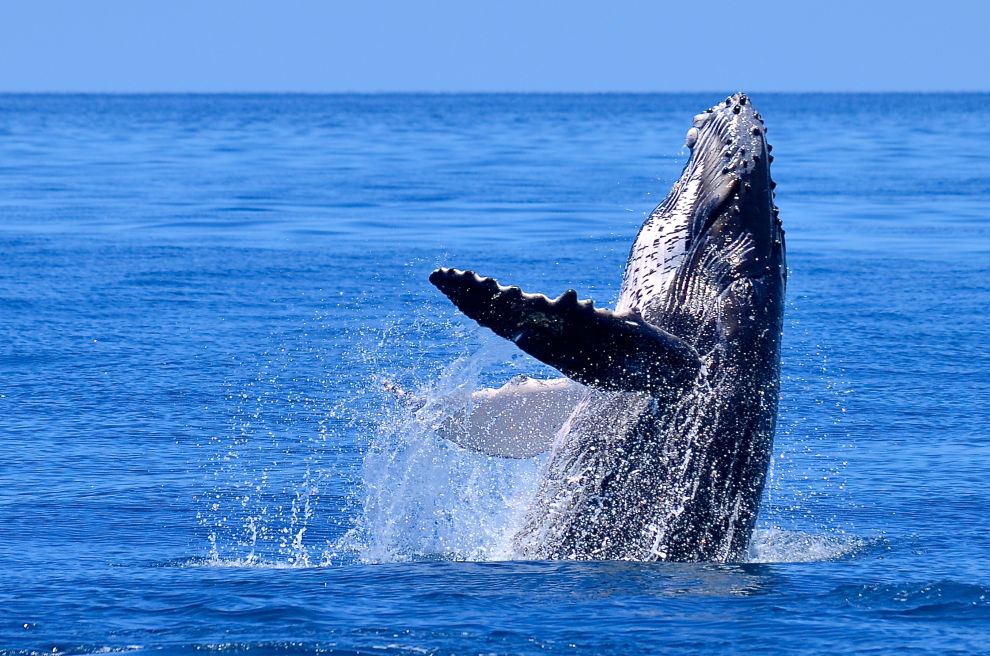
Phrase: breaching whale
(660,435)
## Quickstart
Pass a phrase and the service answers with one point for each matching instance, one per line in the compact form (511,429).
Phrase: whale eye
(691,138)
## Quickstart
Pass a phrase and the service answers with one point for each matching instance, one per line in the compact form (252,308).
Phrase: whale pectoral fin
(592,346)
(518,420)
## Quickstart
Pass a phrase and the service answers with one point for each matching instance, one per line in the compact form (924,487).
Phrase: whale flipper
(518,420)
(592,346)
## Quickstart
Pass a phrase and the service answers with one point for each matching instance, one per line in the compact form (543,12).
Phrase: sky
(509,45)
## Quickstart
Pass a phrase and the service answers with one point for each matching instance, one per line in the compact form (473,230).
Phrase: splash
(806,482)
(310,477)
(425,498)
(274,479)
(776,545)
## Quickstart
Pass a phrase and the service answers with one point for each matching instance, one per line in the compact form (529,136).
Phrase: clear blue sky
(534,45)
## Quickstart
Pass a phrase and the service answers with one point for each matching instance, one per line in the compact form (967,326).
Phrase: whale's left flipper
(595,347)
(518,420)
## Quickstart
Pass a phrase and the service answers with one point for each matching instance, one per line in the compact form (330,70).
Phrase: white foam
(774,545)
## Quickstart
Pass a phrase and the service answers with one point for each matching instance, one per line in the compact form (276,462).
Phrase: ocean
(204,297)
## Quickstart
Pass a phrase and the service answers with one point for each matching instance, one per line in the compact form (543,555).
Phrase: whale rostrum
(660,434)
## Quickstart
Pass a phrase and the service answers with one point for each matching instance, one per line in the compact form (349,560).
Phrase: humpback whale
(660,433)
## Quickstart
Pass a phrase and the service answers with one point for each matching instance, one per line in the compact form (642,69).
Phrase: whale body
(667,408)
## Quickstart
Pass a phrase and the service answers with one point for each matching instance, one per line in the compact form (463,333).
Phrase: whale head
(718,225)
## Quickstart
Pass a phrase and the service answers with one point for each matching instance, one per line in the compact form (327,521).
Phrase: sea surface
(203,299)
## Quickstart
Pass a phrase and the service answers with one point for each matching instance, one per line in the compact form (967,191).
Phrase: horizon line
(434,92)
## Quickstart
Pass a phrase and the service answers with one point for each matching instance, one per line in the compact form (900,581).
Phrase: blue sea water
(202,296)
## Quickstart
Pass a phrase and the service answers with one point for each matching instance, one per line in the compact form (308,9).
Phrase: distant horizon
(427,92)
